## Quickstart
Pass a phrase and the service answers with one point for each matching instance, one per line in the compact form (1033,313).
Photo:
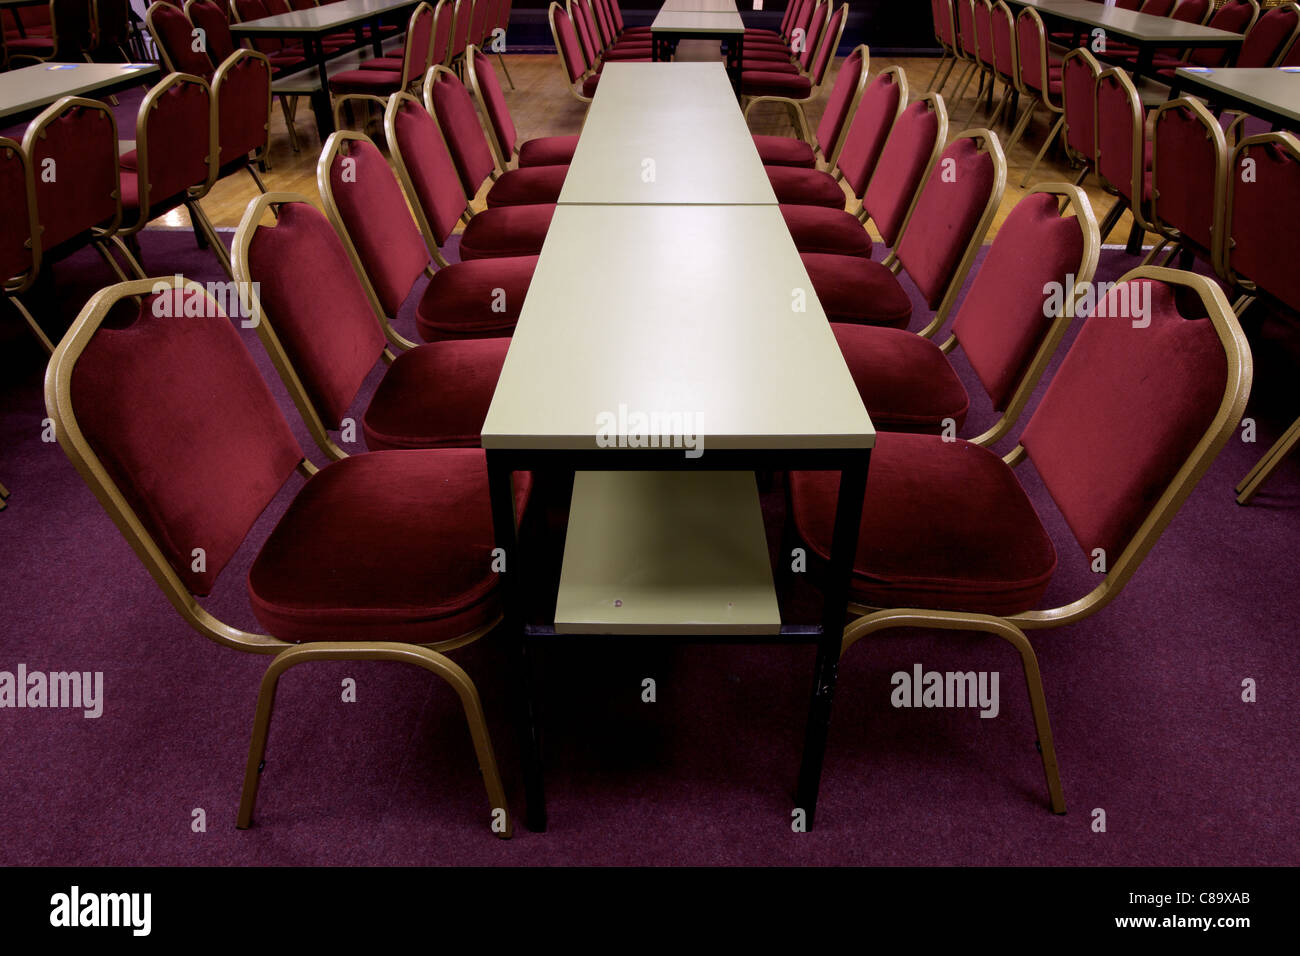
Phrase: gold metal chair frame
(986,70)
(574,86)
(16,285)
(1087,162)
(430,79)
(498,148)
(950,55)
(158,45)
(260,156)
(409,73)
(855,99)
(1011,83)
(975,66)
(794,107)
(1214,133)
(1069,197)
(935,104)
(1012,628)
(58,399)
(398,162)
(1136,163)
(1043,96)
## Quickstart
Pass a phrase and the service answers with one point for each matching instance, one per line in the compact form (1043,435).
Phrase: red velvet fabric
(454,110)
(589,85)
(868,132)
(1030,51)
(15,213)
(898,174)
(816,27)
(1004,40)
(376,218)
(494,104)
(1124,411)
(82,143)
(784,151)
(186,428)
(242,98)
(1261,212)
(208,16)
(387,64)
(548,151)
(946,217)
(506,231)
(1003,317)
(570,49)
(945,524)
(984,31)
(1264,41)
(318,308)
(178,132)
(768,83)
(838,102)
(174,32)
(391,545)
(373,82)
(853,289)
(1233,17)
(818,229)
(430,167)
(443,17)
(821,58)
(586,28)
(905,381)
(1187,170)
(806,187)
(526,187)
(1119,122)
(435,396)
(1080,102)
(458,302)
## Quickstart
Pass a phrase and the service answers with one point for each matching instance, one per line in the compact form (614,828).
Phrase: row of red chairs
(67,30)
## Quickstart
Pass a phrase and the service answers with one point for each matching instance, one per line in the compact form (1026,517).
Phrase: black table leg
(501,492)
(1146,56)
(844,546)
(1135,234)
(321,104)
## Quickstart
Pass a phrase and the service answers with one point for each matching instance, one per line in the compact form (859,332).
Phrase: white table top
(32,88)
(319,19)
(680,117)
(1272,91)
(1142,27)
(673,326)
(702,6)
(666,552)
(697,21)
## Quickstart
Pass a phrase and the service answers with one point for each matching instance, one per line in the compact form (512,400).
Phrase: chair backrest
(1269,37)
(461,27)
(72,28)
(966,32)
(1263,201)
(1191,11)
(20,247)
(443,16)
(241,98)
(881,103)
(112,23)
(208,16)
(492,99)
(173,35)
(1189,175)
(605,22)
(914,143)
(243,10)
(788,19)
(173,428)
(365,203)
(1128,4)
(175,142)
(941,12)
(566,42)
(984,31)
(316,313)
(1003,28)
(425,168)
(1120,134)
(419,44)
(580,14)
(72,148)
(1009,324)
(951,216)
(617,14)
(799,31)
(1079,72)
(1031,56)
(1157,8)
(830,42)
(478,23)
(846,93)
(1116,476)
(813,36)
(447,99)
(1235,16)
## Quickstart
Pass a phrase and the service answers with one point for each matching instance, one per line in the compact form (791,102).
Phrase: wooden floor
(542,106)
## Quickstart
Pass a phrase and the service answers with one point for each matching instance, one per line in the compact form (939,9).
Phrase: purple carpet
(1145,698)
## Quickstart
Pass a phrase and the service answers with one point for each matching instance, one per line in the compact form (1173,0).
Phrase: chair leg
(204,227)
(947,75)
(505,69)
(1051,138)
(33,325)
(257,180)
(1112,217)
(131,260)
(288,122)
(1083,175)
(970,117)
(964,81)
(801,123)
(429,660)
(4,494)
(1021,126)
(943,60)
(1268,464)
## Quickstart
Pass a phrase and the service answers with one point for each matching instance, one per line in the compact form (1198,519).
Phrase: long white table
(666,133)
(672,25)
(27,91)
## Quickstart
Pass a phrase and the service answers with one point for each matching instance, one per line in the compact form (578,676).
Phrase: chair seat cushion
(506,231)
(524,187)
(548,151)
(393,64)
(458,301)
(853,289)
(771,83)
(625,54)
(945,524)
(784,151)
(805,187)
(413,564)
(377,82)
(832,231)
(589,85)
(905,381)
(774,65)
(435,396)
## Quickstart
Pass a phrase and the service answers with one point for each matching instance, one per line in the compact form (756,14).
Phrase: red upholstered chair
(634,49)
(460,29)
(378,85)
(451,105)
(757,34)
(1253,260)
(1079,72)
(1157,8)
(945,31)
(1235,16)
(499,20)
(952,541)
(982,30)
(381,556)
(112,27)
(175,162)
(1269,38)
(796,35)
(580,80)
(968,48)
(20,243)
(173,37)
(1039,79)
(936,248)
(365,202)
(506,148)
(1189,178)
(285,57)
(1123,156)
(900,141)
(1009,324)
(792,89)
(433,190)
(444,13)
(1005,65)
(846,91)
(622,29)
(70,35)
(241,100)
(211,18)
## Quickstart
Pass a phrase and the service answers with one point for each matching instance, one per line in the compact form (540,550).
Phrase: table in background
(671,26)
(27,91)
(1270,94)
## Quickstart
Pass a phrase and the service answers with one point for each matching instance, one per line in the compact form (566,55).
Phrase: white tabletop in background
(701,6)
(674,309)
(32,87)
(697,21)
(681,117)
